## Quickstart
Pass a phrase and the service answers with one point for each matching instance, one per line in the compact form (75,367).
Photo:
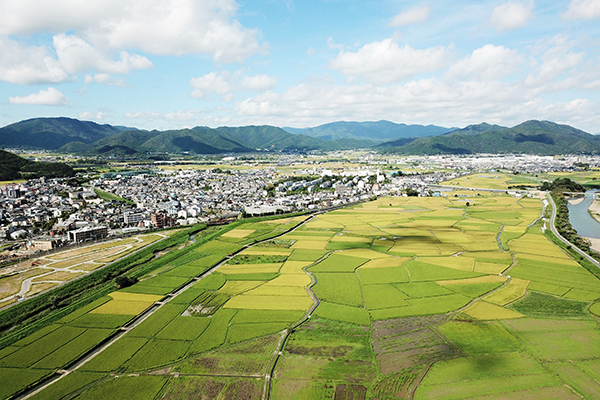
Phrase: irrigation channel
(156,306)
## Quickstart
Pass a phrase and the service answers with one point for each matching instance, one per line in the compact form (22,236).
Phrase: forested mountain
(53,133)
(531,137)
(14,167)
(375,131)
(84,137)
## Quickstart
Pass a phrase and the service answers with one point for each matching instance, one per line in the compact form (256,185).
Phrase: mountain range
(531,137)
(84,137)
(379,131)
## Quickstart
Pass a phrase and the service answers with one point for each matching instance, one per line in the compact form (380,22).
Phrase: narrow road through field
(155,307)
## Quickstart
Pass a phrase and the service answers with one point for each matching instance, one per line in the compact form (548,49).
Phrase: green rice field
(396,298)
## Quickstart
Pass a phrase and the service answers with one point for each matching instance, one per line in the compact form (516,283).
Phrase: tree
(125,281)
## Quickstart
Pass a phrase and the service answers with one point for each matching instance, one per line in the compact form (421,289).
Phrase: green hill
(374,131)
(531,137)
(52,133)
(14,167)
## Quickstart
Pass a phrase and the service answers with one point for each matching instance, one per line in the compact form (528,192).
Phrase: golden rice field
(399,297)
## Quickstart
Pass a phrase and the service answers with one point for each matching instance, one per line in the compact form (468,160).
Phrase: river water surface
(581,220)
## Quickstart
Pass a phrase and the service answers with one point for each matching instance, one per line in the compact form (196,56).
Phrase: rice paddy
(411,296)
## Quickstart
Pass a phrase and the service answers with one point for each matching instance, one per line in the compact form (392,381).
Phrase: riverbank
(594,210)
(575,200)
(595,244)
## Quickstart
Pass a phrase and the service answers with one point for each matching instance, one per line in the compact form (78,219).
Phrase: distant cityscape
(43,214)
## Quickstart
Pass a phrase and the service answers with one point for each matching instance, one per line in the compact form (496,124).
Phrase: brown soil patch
(241,390)
(319,351)
(350,392)
(210,363)
(399,326)
(404,344)
(194,389)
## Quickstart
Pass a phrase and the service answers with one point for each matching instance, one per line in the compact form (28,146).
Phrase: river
(581,220)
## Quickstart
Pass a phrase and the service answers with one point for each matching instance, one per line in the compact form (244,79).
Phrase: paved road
(561,238)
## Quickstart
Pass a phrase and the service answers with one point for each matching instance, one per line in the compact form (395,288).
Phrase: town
(44,214)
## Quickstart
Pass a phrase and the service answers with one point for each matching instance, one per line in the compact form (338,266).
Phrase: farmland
(402,297)
(33,276)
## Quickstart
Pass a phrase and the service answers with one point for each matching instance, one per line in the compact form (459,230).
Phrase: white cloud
(167,27)
(48,97)
(104,79)
(493,84)
(223,83)
(259,83)
(27,65)
(556,61)
(387,62)
(147,115)
(333,45)
(416,14)
(214,82)
(583,9)
(511,15)
(76,55)
(89,116)
(487,62)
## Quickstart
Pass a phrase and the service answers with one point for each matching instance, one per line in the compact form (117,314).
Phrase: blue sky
(168,64)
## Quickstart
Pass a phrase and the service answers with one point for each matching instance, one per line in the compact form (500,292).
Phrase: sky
(170,64)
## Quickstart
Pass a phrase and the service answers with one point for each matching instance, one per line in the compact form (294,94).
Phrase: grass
(306,255)
(273,290)
(257,316)
(250,269)
(35,351)
(482,366)
(576,378)
(482,310)
(383,296)
(127,387)
(258,259)
(184,328)
(157,321)
(76,347)
(427,272)
(423,306)
(207,303)
(157,352)
(109,196)
(371,276)
(234,288)
(259,302)
(474,290)
(483,387)
(68,384)
(16,379)
(514,290)
(338,263)
(536,304)
(480,338)
(238,233)
(115,355)
(213,281)
(241,332)
(423,289)
(215,334)
(339,287)
(343,313)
